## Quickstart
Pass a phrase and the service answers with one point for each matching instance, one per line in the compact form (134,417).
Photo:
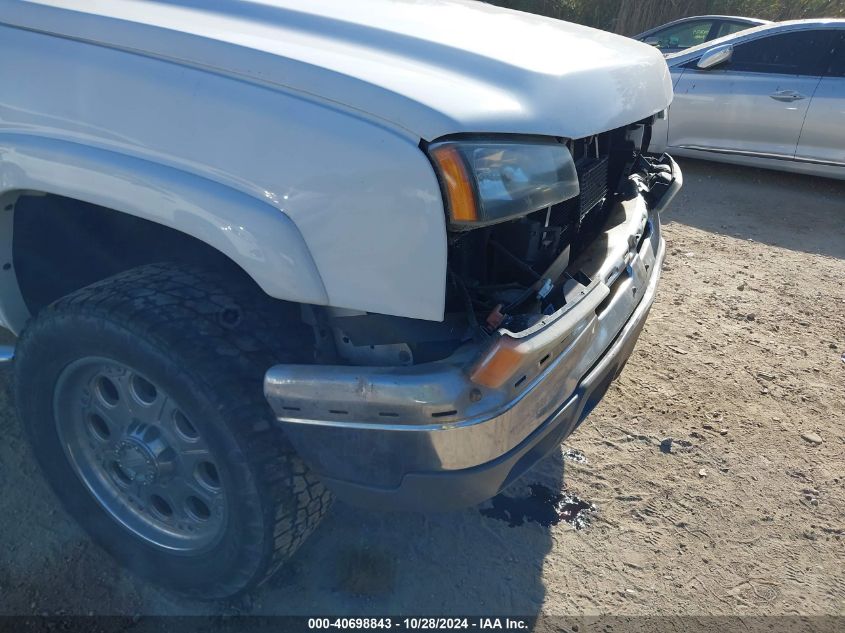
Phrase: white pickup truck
(262,253)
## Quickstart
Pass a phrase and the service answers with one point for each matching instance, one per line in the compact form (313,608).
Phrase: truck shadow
(791,211)
(485,560)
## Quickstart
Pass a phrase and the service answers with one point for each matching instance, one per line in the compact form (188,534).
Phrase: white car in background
(771,97)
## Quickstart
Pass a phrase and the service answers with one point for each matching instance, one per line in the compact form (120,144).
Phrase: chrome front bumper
(432,436)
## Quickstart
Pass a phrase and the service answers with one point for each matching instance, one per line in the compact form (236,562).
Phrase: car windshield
(684,35)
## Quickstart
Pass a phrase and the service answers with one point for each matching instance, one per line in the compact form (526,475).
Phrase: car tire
(142,398)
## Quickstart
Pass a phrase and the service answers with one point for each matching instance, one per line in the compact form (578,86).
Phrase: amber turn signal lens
(461,197)
(497,367)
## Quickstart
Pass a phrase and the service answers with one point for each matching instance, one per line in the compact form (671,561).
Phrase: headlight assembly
(485,182)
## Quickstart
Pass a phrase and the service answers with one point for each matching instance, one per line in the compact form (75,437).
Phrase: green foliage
(631,16)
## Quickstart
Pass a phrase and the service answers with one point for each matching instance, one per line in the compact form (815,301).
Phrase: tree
(629,17)
(636,17)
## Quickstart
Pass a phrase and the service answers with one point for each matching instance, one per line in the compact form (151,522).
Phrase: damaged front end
(512,275)
(543,311)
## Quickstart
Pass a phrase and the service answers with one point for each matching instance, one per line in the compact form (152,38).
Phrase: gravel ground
(714,468)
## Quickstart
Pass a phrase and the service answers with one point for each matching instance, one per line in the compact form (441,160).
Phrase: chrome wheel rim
(142,458)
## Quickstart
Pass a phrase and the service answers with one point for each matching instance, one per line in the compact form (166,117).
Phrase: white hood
(431,67)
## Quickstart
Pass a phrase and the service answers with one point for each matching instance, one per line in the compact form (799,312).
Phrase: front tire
(142,398)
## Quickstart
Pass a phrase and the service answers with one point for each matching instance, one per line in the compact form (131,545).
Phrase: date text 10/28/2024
(419,624)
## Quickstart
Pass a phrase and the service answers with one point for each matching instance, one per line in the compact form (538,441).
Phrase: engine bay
(511,274)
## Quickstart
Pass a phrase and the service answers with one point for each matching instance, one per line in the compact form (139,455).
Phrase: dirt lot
(741,365)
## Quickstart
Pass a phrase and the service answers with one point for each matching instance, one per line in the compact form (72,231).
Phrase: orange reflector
(495,369)
(462,207)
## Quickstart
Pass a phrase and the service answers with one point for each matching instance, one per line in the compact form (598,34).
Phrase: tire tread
(222,329)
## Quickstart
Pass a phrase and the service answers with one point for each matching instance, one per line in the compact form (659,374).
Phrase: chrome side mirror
(715,57)
(652,41)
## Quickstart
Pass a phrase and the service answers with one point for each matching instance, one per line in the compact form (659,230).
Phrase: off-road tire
(207,337)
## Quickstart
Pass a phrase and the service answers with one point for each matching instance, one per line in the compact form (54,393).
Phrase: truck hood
(430,67)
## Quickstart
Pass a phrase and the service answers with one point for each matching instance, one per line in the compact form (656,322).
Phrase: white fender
(318,203)
(255,235)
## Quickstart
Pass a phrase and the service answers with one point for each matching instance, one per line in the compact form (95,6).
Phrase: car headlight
(485,182)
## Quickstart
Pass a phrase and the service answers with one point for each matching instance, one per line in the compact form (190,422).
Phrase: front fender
(359,192)
(258,237)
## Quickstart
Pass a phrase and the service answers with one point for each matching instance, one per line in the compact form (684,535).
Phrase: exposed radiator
(593,177)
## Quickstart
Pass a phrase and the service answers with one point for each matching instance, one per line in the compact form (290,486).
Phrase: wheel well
(61,244)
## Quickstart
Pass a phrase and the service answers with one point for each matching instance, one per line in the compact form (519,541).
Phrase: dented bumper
(452,433)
